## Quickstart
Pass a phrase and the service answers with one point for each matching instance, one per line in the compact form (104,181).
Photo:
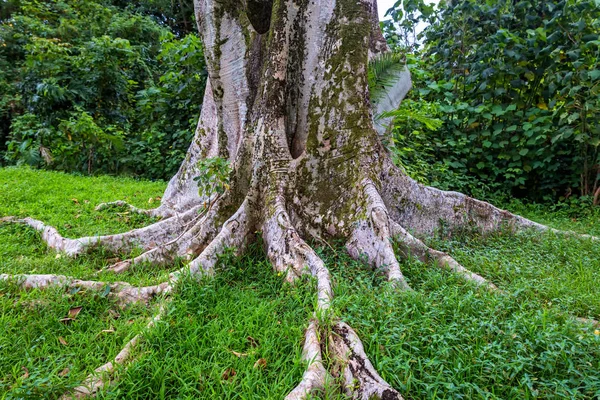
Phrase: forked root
(360,378)
(361,381)
(194,237)
(372,238)
(413,246)
(123,293)
(102,375)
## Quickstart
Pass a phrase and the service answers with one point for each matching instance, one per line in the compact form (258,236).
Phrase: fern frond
(380,69)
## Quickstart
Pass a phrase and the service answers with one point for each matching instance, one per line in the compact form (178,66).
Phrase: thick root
(233,234)
(101,375)
(360,378)
(122,292)
(372,238)
(423,209)
(147,237)
(290,254)
(315,376)
(53,239)
(350,358)
(413,246)
(187,245)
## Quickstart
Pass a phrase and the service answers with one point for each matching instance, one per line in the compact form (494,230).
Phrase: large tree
(287,103)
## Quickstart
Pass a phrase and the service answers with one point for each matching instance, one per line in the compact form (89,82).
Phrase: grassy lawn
(445,340)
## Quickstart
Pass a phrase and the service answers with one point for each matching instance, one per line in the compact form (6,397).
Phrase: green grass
(448,339)
(246,309)
(451,340)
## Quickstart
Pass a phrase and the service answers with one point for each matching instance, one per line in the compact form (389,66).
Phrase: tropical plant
(517,85)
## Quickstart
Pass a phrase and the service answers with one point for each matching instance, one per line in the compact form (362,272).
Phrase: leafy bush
(517,86)
(91,87)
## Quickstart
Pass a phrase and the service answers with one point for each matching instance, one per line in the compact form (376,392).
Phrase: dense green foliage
(448,339)
(517,86)
(92,87)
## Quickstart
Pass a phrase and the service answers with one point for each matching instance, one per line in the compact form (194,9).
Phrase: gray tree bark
(287,103)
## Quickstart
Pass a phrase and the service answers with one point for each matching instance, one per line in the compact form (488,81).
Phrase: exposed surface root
(102,375)
(423,209)
(285,248)
(372,238)
(147,237)
(315,376)
(360,378)
(413,246)
(233,234)
(122,292)
(289,253)
(53,239)
(187,245)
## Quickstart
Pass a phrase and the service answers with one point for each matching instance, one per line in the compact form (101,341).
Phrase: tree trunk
(287,103)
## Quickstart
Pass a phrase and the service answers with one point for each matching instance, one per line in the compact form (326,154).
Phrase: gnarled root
(233,234)
(122,292)
(413,246)
(360,378)
(191,242)
(420,208)
(371,237)
(290,251)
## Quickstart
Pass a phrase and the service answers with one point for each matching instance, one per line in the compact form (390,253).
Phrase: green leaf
(595,74)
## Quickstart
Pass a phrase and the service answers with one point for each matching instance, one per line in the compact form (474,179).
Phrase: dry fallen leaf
(253,342)
(111,330)
(228,374)
(235,353)
(73,312)
(63,372)
(25,372)
(260,363)
(66,320)
(74,200)
(62,341)
(114,314)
